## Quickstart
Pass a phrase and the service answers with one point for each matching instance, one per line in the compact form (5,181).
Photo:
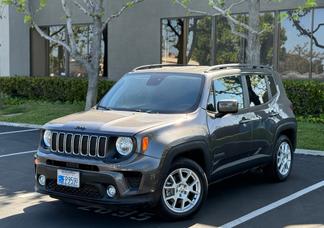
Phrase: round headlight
(124,145)
(47,138)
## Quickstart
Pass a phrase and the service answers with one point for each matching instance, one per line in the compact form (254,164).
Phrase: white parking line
(11,124)
(273,205)
(14,132)
(19,153)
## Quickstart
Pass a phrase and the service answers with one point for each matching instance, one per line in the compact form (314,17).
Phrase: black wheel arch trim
(290,125)
(182,149)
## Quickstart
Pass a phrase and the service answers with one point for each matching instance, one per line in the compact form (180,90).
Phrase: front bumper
(136,180)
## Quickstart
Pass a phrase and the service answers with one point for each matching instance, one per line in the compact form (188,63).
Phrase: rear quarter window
(272,85)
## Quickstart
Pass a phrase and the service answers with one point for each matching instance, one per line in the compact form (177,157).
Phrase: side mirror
(227,106)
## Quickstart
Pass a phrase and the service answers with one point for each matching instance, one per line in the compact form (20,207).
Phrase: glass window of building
(83,34)
(186,40)
(294,48)
(318,45)
(267,38)
(189,40)
(229,48)
(82,39)
(56,52)
(199,43)
(173,37)
(56,60)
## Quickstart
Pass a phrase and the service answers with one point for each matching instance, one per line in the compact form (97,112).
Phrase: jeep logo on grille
(82,128)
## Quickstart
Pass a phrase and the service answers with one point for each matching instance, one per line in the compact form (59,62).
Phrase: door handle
(244,120)
(273,113)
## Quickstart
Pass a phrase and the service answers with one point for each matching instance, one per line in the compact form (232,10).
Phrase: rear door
(263,113)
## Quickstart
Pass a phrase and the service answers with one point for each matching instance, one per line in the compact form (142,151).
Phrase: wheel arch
(194,150)
(288,129)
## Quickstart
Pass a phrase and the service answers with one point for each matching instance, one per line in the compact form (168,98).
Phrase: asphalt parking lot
(247,200)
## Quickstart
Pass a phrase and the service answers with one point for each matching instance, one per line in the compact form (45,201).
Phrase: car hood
(113,121)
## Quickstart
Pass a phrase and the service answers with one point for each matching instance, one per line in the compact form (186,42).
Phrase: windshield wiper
(146,111)
(138,110)
(103,107)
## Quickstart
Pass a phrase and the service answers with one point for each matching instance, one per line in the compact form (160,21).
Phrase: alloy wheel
(284,158)
(181,190)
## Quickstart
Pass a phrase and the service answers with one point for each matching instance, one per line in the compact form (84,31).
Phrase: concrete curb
(310,152)
(10,124)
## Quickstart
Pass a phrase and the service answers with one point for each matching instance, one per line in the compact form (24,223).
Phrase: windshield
(155,93)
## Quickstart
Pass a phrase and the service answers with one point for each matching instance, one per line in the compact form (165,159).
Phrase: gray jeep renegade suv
(163,133)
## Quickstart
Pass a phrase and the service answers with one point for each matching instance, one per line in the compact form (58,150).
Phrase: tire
(192,189)
(273,170)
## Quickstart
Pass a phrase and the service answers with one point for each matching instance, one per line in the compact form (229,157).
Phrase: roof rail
(152,66)
(239,65)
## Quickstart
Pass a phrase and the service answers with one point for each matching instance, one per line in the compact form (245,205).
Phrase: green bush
(311,119)
(306,96)
(50,88)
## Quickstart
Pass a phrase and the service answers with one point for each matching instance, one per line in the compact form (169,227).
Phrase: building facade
(158,31)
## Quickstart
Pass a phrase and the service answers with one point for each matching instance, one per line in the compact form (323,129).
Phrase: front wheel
(184,190)
(281,165)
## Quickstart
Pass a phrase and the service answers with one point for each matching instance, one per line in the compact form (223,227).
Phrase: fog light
(111,191)
(42,180)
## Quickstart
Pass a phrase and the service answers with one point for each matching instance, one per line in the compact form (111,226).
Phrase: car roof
(210,71)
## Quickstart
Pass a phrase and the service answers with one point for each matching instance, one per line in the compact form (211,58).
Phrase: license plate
(68,178)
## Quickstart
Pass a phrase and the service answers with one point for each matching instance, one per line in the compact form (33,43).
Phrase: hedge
(307,96)
(50,88)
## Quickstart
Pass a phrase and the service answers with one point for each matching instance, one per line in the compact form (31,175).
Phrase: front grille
(77,144)
(86,190)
